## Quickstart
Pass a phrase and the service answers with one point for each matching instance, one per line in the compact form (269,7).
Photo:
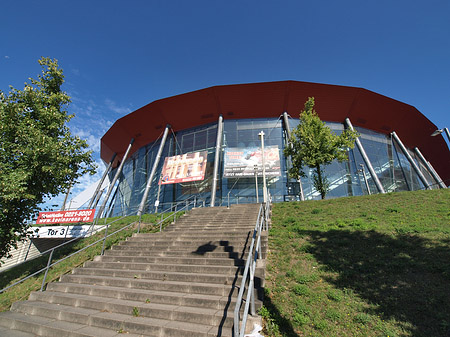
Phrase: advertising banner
(84,215)
(240,162)
(184,168)
(61,232)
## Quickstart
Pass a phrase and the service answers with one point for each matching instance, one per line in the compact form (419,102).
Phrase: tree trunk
(321,183)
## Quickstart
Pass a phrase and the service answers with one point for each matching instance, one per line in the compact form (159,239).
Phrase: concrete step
(93,306)
(226,235)
(177,286)
(205,250)
(42,326)
(192,259)
(15,333)
(82,292)
(194,228)
(225,252)
(224,221)
(151,306)
(188,242)
(158,275)
(72,316)
(217,254)
(212,270)
(199,242)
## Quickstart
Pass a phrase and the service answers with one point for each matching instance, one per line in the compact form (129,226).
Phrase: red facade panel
(261,100)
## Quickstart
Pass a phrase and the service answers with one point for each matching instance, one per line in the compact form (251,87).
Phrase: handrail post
(252,289)
(104,240)
(175,214)
(46,270)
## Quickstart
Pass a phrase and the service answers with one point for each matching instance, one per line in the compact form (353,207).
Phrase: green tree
(39,157)
(313,144)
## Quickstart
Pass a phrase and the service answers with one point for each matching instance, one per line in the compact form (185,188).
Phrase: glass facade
(349,178)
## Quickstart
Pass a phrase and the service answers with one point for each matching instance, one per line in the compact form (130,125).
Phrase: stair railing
(103,240)
(189,203)
(248,279)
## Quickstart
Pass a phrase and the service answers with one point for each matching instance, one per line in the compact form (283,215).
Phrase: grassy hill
(361,266)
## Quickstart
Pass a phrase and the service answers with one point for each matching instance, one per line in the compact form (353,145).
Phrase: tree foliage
(314,145)
(39,157)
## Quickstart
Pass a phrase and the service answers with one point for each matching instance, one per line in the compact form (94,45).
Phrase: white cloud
(92,139)
(111,105)
(82,108)
(7,57)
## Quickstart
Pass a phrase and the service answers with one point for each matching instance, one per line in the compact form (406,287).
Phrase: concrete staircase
(181,282)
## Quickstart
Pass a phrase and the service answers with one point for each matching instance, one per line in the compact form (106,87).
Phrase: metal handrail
(170,205)
(49,264)
(250,266)
(191,201)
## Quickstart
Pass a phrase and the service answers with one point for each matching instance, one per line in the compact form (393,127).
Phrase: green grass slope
(361,266)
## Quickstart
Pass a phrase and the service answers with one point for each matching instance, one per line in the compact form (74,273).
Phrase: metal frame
(411,160)
(366,159)
(152,174)
(288,131)
(216,159)
(111,186)
(99,186)
(249,271)
(430,168)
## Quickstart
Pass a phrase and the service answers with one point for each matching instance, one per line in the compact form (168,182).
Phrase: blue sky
(120,55)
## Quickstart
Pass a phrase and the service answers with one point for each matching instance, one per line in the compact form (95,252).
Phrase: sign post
(261,134)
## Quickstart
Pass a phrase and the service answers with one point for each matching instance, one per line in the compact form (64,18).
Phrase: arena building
(207,143)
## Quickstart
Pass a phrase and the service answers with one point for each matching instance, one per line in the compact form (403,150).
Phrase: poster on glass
(184,168)
(240,162)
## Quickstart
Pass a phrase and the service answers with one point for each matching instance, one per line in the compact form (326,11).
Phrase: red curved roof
(259,100)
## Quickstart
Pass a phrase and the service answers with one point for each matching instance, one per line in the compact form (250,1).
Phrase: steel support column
(216,159)
(288,131)
(152,173)
(411,160)
(111,186)
(366,159)
(99,186)
(63,207)
(430,168)
(97,199)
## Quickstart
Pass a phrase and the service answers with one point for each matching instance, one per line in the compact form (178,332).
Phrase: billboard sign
(83,215)
(240,162)
(184,168)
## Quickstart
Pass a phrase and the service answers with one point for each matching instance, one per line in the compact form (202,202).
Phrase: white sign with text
(62,232)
